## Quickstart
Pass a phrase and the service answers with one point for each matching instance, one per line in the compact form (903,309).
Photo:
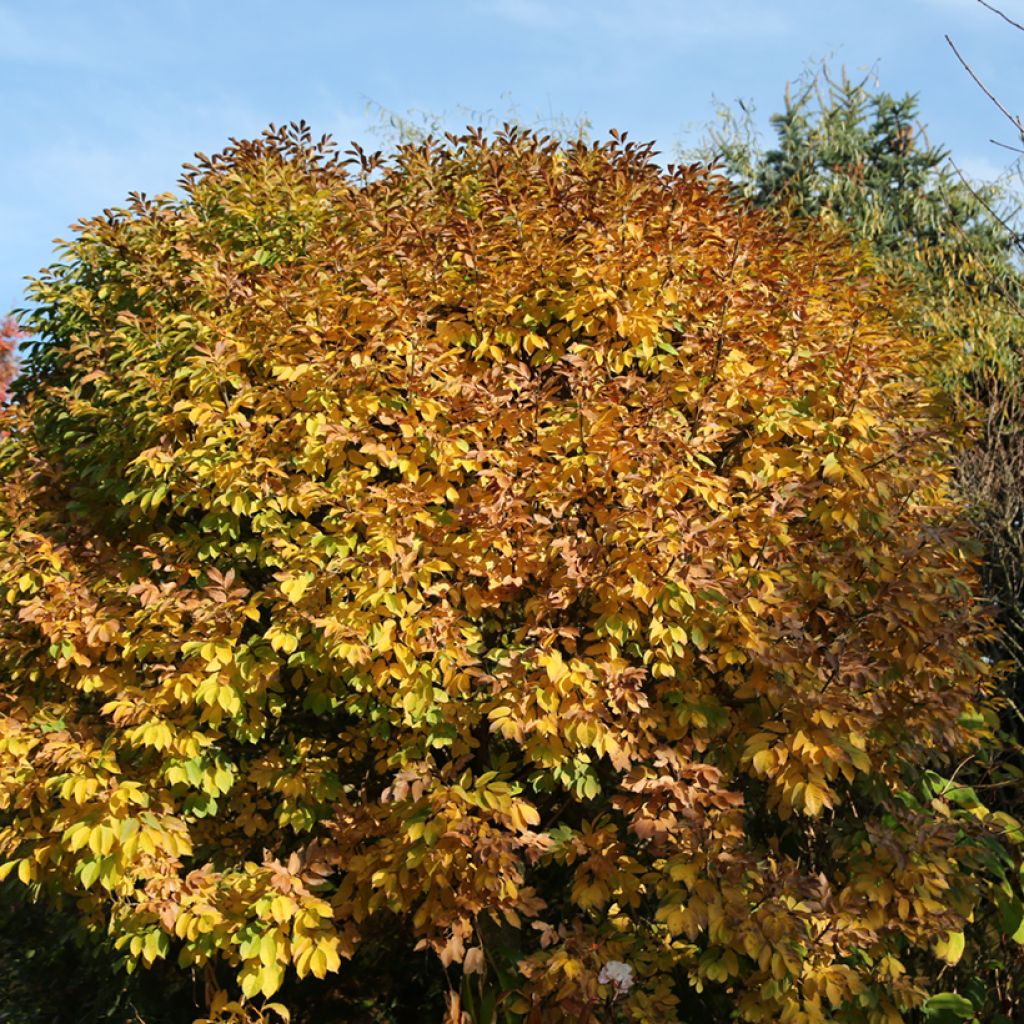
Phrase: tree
(510,551)
(993,470)
(858,157)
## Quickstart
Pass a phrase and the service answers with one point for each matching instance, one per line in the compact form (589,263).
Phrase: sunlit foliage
(857,156)
(849,153)
(520,550)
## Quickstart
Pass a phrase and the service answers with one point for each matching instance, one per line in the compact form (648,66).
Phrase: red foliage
(10,333)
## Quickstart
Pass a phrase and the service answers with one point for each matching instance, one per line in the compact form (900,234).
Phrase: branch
(1015,121)
(1012,149)
(995,10)
(1016,237)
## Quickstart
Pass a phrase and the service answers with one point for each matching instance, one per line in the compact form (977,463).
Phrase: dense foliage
(858,157)
(514,552)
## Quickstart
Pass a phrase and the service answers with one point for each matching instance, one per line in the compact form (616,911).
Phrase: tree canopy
(513,551)
(859,157)
(854,155)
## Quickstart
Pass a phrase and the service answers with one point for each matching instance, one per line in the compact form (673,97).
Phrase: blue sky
(105,97)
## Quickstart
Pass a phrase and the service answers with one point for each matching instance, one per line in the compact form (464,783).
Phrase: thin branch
(1012,149)
(1016,237)
(995,10)
(1015,121)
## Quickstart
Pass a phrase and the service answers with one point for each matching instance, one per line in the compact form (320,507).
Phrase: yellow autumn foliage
(519,547)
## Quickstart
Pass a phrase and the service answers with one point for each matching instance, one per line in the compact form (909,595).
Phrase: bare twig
(995,10)
(1015,235)
(1015,121)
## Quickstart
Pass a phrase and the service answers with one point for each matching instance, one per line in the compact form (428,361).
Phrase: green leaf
(947,1008)
(90,872)
(1011,915)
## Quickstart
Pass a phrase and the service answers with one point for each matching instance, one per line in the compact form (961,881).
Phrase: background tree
(509,553)
(859,157)
(995,469)
(855,156)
